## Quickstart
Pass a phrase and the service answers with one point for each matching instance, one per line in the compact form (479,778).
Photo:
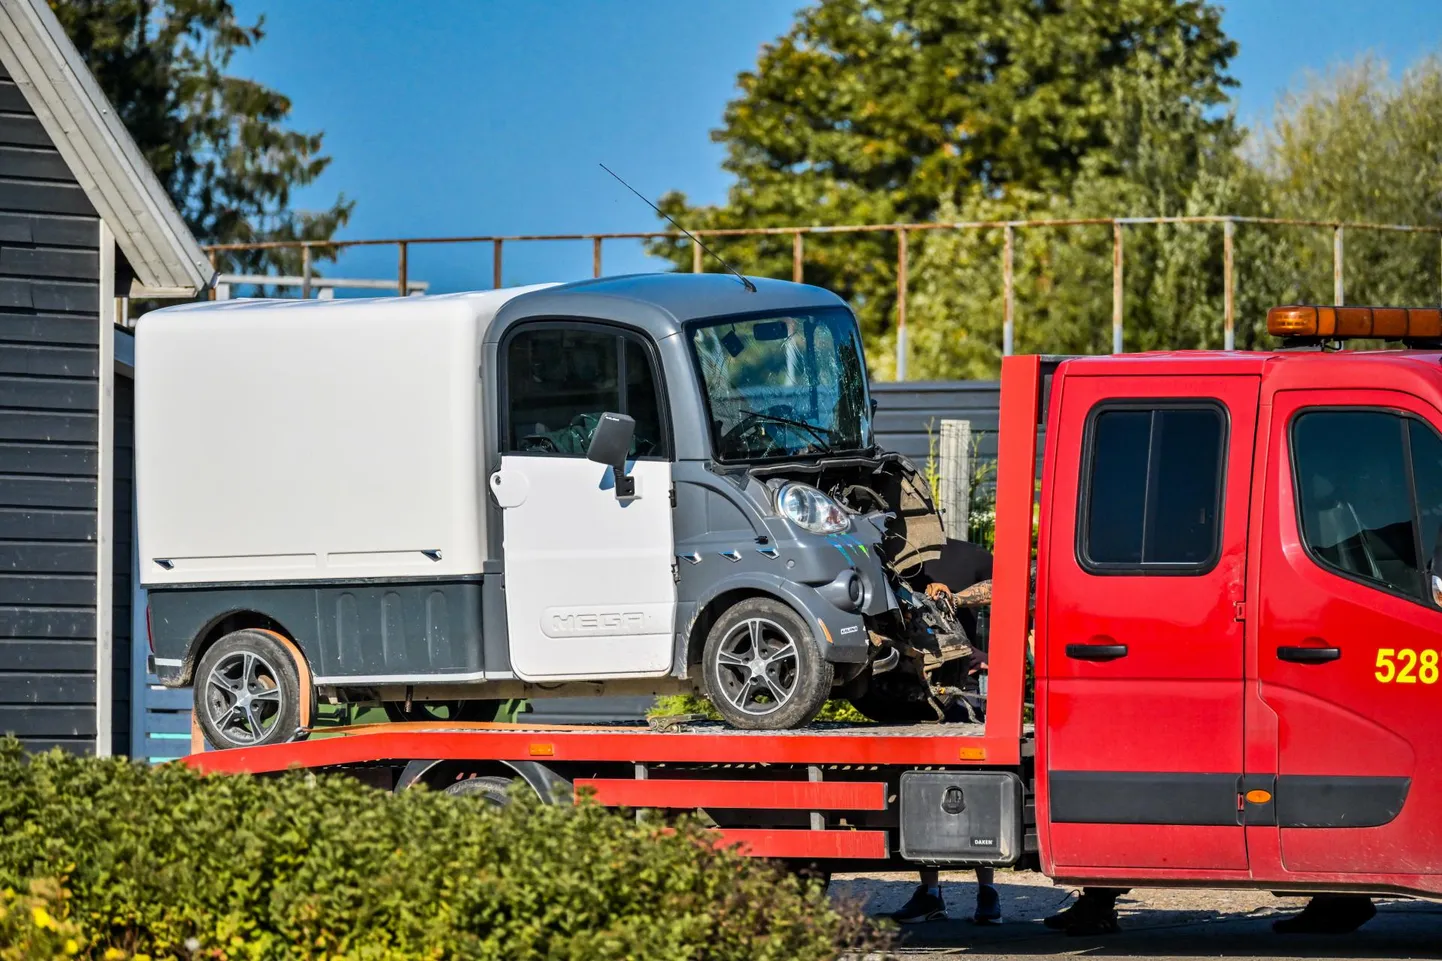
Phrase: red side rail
(1011,579)
(686,795)
(845,845)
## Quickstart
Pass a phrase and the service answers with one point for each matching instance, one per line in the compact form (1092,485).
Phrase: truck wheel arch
(712,609)
(732,590)
(437,774)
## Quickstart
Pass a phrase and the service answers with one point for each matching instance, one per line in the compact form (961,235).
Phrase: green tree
(876,111)
(219,143)
(1356,145)
(1168,159)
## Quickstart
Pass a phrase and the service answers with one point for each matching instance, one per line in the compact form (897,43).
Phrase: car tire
(495,791)
(811,872)
(248,691)
(762,669)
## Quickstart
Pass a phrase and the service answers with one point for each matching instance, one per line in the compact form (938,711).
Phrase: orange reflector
(1389,321)
(973,753)
(1354,321)
(543,750)
(1386,323)
(825,631)
(1258,797)
(1425,322)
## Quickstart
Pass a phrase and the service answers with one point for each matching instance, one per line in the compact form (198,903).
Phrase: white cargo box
(309,440)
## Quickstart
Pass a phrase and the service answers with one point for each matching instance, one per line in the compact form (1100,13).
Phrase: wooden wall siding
(49,313)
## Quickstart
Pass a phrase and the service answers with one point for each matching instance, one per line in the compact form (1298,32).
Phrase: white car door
(589,583)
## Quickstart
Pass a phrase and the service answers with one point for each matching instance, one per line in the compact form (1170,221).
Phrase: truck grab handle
(1096,652)
(1308,655)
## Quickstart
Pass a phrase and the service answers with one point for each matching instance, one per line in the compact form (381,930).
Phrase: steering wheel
(747,425)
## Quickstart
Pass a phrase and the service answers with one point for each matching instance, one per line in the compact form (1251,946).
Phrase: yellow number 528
(1406,666)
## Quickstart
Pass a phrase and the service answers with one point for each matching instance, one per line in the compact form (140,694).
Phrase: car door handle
(1096,652)
(1308,655)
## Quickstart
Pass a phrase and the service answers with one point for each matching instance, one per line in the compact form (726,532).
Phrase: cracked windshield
(783,386)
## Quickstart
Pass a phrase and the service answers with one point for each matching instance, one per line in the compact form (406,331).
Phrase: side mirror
(610,445)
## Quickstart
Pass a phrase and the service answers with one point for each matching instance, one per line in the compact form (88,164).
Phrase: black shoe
(1329,914)
(1088,916)
(923,906)
(988,905)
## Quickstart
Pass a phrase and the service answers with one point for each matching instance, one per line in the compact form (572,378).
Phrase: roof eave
(110,168)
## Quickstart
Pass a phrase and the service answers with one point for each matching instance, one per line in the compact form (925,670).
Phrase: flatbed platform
(695,742)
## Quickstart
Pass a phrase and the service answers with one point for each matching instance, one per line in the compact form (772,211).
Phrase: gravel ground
(1156,923)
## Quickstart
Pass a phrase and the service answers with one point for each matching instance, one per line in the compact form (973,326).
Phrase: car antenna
(745,281)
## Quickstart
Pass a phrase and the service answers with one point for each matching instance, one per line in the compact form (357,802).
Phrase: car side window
(643,400)
(1151,495)
(1354,494)
(560,379)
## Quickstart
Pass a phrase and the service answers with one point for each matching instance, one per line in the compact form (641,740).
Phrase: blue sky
(489,116)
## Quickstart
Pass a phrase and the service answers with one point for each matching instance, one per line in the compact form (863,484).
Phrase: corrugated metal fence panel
(909,414)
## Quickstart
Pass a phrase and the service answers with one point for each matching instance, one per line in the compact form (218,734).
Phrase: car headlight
(809,509)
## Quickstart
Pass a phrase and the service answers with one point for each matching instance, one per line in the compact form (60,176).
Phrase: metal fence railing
(324,288)
(1226,222)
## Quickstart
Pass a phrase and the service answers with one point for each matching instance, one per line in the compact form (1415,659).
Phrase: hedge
(124,860)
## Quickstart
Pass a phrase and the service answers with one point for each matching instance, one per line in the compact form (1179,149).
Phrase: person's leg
(988,902)
(926,903)
(1329,914)
(1095,912)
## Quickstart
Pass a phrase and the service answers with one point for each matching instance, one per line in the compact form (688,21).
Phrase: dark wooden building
(84,225)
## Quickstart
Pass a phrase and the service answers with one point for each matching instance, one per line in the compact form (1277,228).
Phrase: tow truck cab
(1237,623)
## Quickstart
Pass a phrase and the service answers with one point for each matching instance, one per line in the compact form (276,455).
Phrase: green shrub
(675,705)
(37,925)
(163,862)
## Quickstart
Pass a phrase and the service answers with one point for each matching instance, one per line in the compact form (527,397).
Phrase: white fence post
(954,469)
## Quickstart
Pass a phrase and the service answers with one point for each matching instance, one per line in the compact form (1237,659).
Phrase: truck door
(1349,631)
(1143,693)
(588,580)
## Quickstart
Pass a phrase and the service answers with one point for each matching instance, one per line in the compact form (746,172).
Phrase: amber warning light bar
(1342,323)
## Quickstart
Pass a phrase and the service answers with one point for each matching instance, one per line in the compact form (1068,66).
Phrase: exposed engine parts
(919,668)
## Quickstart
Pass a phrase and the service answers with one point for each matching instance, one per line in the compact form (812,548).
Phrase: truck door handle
(1096,652)
(1308,655)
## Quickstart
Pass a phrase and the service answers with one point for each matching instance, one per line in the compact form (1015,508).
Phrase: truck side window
(1152,493)
(1427,480)
(561,378)
(1354,494)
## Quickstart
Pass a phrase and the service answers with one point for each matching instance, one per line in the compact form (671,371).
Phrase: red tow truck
(1237,621)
